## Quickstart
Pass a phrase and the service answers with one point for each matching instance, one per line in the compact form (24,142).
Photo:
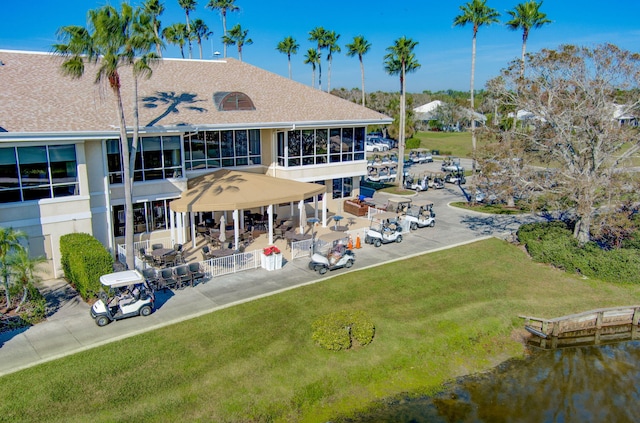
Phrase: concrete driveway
(70,329)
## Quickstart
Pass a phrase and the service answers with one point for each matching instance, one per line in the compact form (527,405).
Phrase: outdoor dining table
(161,252)
(221,252)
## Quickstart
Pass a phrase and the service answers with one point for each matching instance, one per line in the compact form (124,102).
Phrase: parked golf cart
(456,177)
(421,214)
(331,253)
(384,228)
(418,183)
(451,164)
(125,294)
(398,204)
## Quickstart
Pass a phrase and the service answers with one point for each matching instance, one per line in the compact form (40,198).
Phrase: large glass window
(319,146)
(156,158)
(214,149)
(342,187)
(33,173)
(147,216)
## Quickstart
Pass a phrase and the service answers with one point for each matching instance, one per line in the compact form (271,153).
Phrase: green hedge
(84,259)
(412,143)
(553,243)
(337,331)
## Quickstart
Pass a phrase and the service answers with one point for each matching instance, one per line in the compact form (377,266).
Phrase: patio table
(161,252)
(221,252)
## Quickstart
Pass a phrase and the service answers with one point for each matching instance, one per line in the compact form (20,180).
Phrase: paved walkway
(70,329)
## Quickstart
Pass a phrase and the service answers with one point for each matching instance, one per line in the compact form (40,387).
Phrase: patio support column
(235,228)
(315,206)
(193,228)
(324,210)
(180,228)
(270,224)
(302,218)
(172,226)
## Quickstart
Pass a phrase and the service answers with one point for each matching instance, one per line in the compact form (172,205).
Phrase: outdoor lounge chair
(167,279)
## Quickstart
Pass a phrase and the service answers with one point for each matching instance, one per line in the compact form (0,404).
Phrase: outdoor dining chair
(167,279)
(196,273)
(157,246)
(169,260)
(183,276)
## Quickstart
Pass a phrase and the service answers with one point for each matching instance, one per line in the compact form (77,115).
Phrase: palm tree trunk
(224,34)
(329,77)
(200,48)
(362,77)
(473,108)
(319,70)
(289,56)
(127,179)
(401,137)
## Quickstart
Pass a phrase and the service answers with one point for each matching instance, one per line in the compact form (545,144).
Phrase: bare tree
(573,127)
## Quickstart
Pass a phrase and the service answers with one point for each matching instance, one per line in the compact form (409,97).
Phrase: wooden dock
(592,327)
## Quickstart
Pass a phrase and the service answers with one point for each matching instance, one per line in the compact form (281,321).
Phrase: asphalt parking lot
(70,329)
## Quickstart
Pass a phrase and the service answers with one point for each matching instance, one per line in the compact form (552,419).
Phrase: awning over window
(232,190)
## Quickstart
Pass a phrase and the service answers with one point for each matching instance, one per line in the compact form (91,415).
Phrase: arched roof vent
(235,100)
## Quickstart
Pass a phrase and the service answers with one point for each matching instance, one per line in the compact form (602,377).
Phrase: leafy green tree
(526,16)
(176,34)
(312,58)
(238,37)
(200,31)
(153,9)
(24,270)
(360,46)
(9,243)
(400,60)
(113,40)
(224,6)
(332,47)
(319,36)
(476,13)
(288,46)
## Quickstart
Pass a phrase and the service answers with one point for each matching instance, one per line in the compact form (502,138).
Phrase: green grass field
(456,144)
(437,316)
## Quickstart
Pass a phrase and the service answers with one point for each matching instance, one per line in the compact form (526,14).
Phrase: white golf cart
(398,204)
(337,254)
(421,214)
(384,228)
(417,183)
(125,294)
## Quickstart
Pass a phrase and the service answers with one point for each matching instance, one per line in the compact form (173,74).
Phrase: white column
(172,226)
(193,229)
(270,213)
(180,228)
(324,210)
(302,216)
(235,228)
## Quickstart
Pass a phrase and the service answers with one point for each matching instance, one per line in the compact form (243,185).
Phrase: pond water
(585,384)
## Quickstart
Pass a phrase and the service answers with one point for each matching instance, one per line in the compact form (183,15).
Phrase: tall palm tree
(176,34)
(106,43)
(312,58)
(200,31)
(9,243)
(476,13)
(288,46)
(359,46)
(188,6)
(153,9)
(526,16)
(319,35)
(237,36)
(400,60)
(332,46)
(223,6)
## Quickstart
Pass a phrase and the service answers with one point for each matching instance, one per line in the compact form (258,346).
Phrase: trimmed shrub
(553,243)
(84,259)
(337,331)
(412,143)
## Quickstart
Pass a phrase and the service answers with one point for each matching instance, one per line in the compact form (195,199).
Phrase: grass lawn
(437,316)
(456,144)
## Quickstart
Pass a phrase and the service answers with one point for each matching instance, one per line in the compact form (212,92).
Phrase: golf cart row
(424,182)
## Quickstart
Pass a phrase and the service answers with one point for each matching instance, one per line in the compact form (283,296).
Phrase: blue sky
(444,52)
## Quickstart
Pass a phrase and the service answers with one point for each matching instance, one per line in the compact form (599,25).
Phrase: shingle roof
(36,97)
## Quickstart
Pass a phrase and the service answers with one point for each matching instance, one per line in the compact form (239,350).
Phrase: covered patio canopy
(226,189)
(231,190)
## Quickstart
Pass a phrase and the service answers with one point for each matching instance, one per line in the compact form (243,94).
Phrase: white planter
(272,262)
